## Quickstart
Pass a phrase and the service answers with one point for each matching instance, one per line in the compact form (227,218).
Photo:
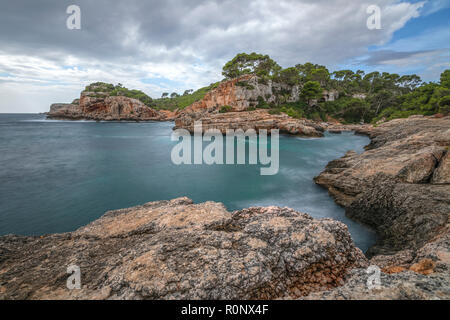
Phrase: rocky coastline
(241,95)
(101,106)
(400,186)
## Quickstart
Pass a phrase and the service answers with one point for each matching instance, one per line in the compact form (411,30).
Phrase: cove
(60,175)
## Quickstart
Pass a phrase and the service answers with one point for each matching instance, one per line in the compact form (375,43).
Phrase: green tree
(321,75)
(311,90)
(445,78)
(254,63)
(289,76)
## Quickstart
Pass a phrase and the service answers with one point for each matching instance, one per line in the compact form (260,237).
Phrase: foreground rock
(180,250)
(256,120)
(100,106)
(400,186)
(398,286)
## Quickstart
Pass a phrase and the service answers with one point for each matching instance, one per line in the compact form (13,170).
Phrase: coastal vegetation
(172,102)
(119,90)
(346,95)
(358,97)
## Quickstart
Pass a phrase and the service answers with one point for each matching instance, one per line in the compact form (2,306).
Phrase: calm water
(56,176)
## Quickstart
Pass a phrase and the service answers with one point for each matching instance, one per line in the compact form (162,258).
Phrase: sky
(171,46)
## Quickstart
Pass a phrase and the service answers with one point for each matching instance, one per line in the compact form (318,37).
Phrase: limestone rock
(442,173)
(257,120)
(101,106)
(397,286)
(398,187)
(180,250)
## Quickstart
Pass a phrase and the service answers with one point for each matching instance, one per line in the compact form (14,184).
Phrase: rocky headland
(234,105)
(241,98)
(400,186)
(97,104)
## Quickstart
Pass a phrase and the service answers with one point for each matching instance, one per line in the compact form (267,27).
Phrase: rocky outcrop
(397,286)
(256,120)
(180,250)
(399,186)
(102,106)
(241,96)
(243,93)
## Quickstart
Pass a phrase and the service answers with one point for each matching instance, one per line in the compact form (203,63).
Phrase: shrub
(274,111)
(225,109)
(245,84)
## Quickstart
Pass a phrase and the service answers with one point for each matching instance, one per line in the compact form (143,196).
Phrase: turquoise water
(59,175)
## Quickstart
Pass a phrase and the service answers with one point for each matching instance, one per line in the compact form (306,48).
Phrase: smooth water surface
(56,176)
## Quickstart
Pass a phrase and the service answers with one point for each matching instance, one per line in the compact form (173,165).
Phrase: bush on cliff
(183,101)
(225,109)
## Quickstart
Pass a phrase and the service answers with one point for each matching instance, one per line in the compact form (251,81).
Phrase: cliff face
(102,106)
(401,187)
(180,250)
(243,92)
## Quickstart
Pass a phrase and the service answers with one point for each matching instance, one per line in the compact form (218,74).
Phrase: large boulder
(180,250)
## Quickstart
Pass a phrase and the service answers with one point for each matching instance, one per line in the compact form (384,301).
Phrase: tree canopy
(357,95)
(253,63)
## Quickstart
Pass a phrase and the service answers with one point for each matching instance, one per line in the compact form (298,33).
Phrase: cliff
(101,105)
(400,186)
(240,97)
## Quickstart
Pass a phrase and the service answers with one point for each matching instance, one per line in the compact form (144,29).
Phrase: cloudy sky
(174,45)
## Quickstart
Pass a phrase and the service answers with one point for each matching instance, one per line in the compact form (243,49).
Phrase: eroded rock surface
(180,250)
(256,120)
(242,95)
(399,186)
(397,286)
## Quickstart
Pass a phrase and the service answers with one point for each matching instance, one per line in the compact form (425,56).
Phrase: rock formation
(102,106)
(397,286)
(180,250)
(242,95)
(400,187)
(257,120)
